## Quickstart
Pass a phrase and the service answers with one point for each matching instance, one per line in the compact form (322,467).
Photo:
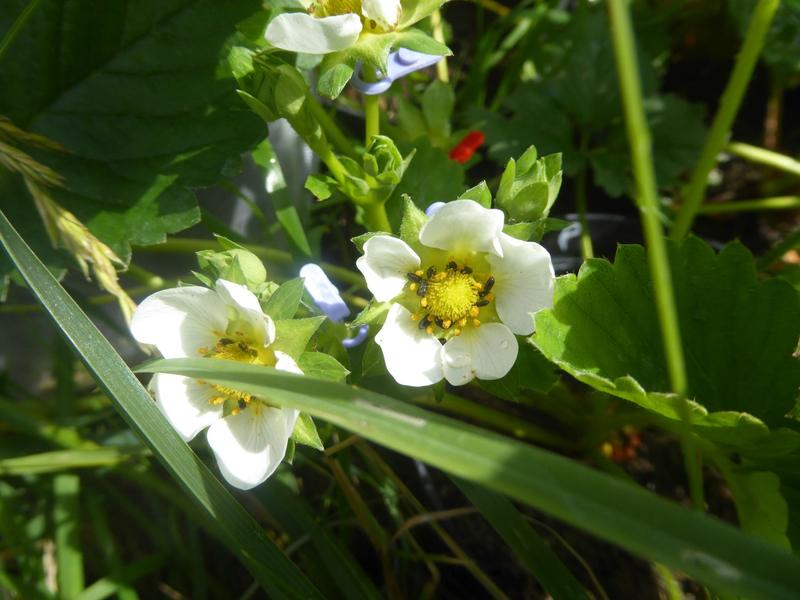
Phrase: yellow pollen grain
(413,287)
(456,331)
(476,322)
(446,323)
(474,311)
(429,330)
(419,273)
(462,322)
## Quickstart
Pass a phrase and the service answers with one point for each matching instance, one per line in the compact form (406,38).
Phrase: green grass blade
(531,549)
(688,541)
(297,517)
(108,586)
(243,536)
(66,516)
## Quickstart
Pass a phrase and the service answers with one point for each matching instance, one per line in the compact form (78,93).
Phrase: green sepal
(480,194)
(411,222)
(234,264)
(529,186)
(373,314)
(322,366)
(320,186)
(305,432)
(292,335)
(284,302)
(335,71)
(360,240)
(291,448)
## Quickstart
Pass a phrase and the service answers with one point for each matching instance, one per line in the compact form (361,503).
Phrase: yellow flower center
(242,351)
(451,294)
(450,299)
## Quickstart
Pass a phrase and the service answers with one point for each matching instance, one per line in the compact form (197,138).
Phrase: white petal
(248,308)
(385,12)
(249,446)
(412,356)
(485,352)
(524,281)
(463,226)
(385,264)
(300,32)
(180,321)
(186,403)
(284,362)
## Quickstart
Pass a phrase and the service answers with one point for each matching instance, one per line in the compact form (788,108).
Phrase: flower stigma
(450,299)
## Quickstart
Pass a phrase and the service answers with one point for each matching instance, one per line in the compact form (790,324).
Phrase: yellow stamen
(474,311)
(476,322)
(413,287)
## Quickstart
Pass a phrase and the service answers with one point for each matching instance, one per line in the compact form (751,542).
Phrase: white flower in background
(248,435)
(331,25)
(460,299)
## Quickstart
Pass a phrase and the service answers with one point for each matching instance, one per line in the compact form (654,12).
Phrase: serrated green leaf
(322,366)
(140,99)
(305,432)
(284,302)
(292,335)
(738,333)
(689,541)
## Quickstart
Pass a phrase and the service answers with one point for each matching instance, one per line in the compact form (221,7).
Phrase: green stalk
(16,27)
(438,34)
(776,203)
(372,113)
(647,201)
(765,157)
(331,129)
(327,156)
(179,245)
(375,217)
(581,204)
(729,106)
(774,254)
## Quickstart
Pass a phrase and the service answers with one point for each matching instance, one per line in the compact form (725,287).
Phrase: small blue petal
(324,293)
(433,208)
(359,337)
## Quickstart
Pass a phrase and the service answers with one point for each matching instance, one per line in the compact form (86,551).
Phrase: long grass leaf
(653,527)
(531,549)
(243,536)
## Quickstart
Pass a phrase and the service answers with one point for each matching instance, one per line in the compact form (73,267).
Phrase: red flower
(464,150)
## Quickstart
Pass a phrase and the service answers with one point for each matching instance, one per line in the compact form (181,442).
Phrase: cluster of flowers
(458,297)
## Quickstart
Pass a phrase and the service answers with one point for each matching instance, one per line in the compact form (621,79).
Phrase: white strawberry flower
(248,435)
(459,299)
(332,25)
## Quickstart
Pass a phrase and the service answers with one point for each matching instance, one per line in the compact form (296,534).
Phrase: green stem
(647,196)
(332,131)
(16,27)
(648,203)
(327,156)
(729,106)
(438,34)
(375,217)
(776,203)
(765,157)
(180,245)
(372,113)
(581,204)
